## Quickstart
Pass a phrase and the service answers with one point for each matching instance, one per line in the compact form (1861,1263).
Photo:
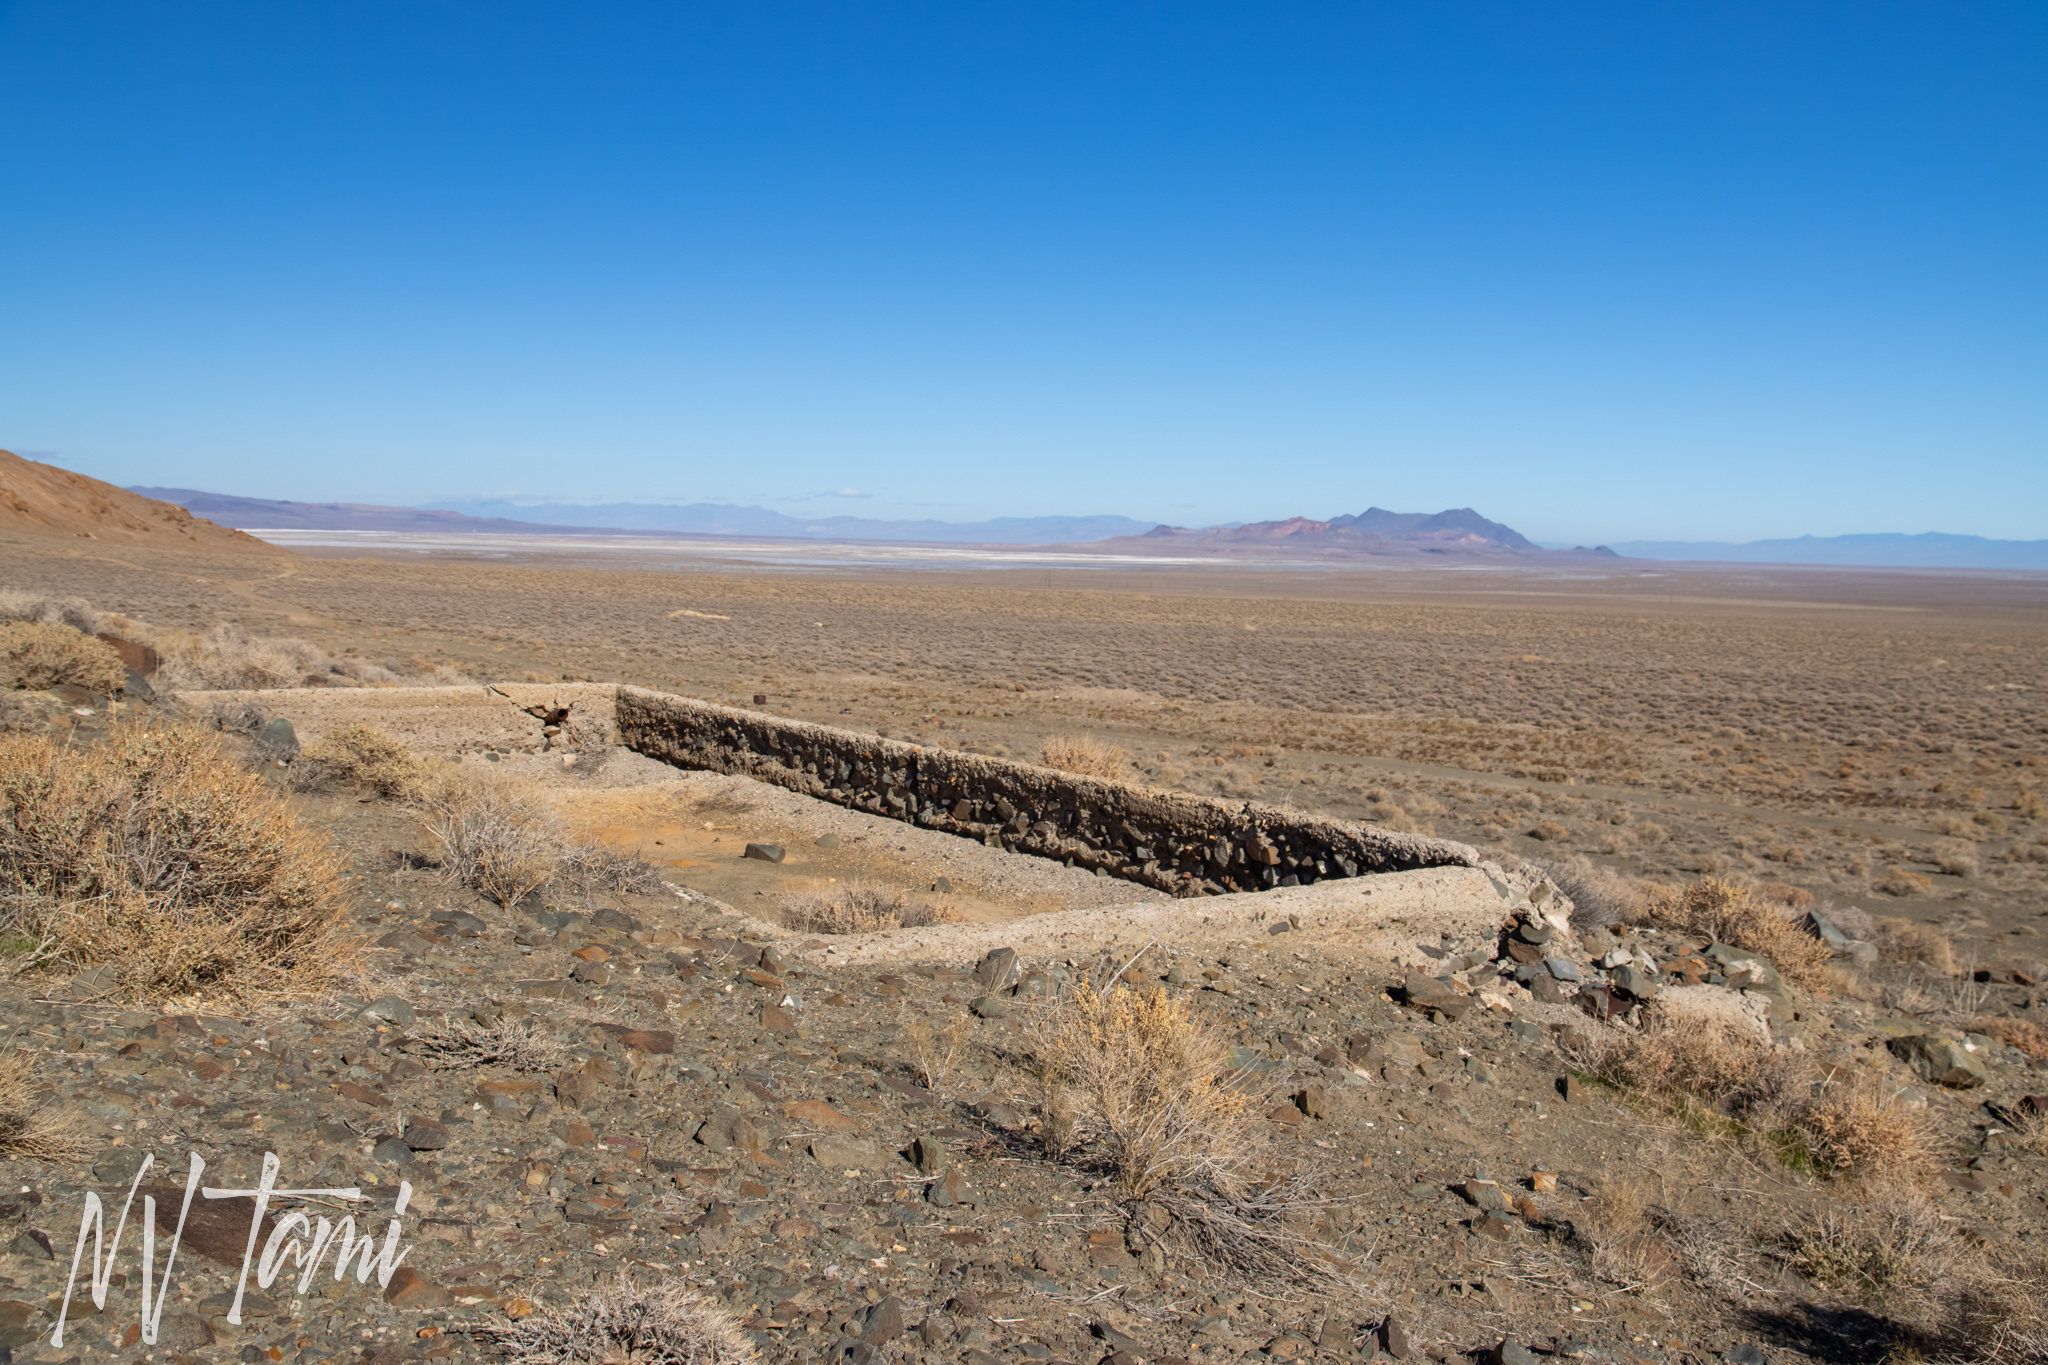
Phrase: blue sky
(1603,271)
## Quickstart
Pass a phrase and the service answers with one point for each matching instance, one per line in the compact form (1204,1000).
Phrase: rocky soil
(590,1085)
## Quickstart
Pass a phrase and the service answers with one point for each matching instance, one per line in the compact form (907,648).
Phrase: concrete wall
(1187,845)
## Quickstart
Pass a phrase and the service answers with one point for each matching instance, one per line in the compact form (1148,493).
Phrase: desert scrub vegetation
(1721,911)
(34,657)
(1138,1085)
(225,657)
(497,835)
(1086,757)
(159,859)
(663,1324)
(1150,1084)
(458,1044)
(1600,898)
(858,907)
(1729,1083)
(361,756)
(31,1125)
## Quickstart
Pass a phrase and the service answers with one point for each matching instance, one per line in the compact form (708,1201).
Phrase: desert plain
(833,1135)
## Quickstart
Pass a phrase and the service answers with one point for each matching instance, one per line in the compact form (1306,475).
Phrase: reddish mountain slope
(43,500)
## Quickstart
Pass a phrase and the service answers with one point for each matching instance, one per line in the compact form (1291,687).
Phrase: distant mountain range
(1375,532)
(269,514)
(1891,549)
(700,519)
(718,519)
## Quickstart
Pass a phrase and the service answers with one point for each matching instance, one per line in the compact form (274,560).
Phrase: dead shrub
(1897,1252)
(1600,897)
(665,1324)
(1085,756)
(363,756)
(1997,1315)
(498,836)
(1905,940)
(156,854)
(1621,1238)
(1856,1127)
(1151,1084)
(925,916)
(1550,832)
(31,1126)
(849,908)
(456,1044)
(1896,881)
(937,1051)
(38,608)
(1720,910)
(591,867)
(36,657)
(1702,1064)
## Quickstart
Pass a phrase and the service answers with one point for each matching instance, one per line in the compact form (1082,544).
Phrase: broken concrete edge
(1387,918)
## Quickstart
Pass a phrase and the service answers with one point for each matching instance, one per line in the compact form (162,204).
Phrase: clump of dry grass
(1150,1083)
(1839,1127)
(1857,1127)
(30,1126)
(1896,881)
(1600,897)
(498,835)
(156,854)
(35,657)
(363,756)
(590,867)
(1085,756)
(456,1044)
(848,908)
(38,608)
(1897,1251)
(1720,910)
(937,1051)
(665,1324)
(1905,940)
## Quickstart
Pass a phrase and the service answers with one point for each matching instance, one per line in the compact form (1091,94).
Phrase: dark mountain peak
(1456,524)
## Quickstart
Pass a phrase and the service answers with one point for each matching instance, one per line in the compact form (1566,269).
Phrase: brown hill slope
(43,500)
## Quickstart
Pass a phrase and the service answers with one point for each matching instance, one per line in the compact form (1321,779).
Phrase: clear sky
(1601,270)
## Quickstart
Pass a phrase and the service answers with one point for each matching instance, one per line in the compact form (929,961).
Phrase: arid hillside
(43,500)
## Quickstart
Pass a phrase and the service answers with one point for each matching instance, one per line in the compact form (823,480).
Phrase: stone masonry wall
(1187,845)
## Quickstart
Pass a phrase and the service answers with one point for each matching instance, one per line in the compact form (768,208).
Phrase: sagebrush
(35,656)
(1150,1083)
(497,835)
(1715,909)
(157,856)
(363,756)
(31,1125)
(664,1324)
